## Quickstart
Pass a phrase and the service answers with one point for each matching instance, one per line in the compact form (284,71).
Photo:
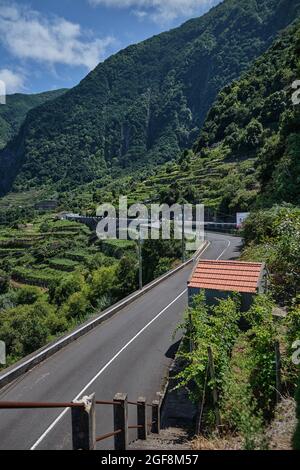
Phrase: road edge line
(26,364)
(103,369)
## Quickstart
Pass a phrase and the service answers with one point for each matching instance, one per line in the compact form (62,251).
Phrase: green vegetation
(239,408)
(245,359)
(143,105)
(13,114)
(215,327)
(254,118)
(296,441)
(117,248)
(123,131)
(63,264)
(245,365)
(54,275)
(246,156)
(273,236)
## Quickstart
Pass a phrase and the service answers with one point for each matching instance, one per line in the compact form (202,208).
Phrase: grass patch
(63,264)
(37,277)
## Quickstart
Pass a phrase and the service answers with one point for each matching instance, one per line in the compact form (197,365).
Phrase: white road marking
(112,309)
(42,437)
(63,413)
(224,251)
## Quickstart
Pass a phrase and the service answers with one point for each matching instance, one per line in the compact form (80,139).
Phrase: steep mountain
(143,105)
(13,114)
(256,118)
(248,153)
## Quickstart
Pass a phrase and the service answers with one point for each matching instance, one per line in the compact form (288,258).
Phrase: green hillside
(248,151)
(145,104)
(255,119)
(13,114)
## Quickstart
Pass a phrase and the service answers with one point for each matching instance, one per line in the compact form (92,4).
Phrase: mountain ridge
(247,154)
(143,105)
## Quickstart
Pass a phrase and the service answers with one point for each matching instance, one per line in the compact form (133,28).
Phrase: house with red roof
(218,279)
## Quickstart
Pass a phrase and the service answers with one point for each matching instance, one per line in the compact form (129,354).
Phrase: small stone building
(218,279)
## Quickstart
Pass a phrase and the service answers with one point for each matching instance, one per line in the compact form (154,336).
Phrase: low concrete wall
(26,364)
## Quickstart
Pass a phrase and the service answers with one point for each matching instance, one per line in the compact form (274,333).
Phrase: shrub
(215,327)
(164,265)
(78,305)
(102,283)
(4,282)
(28,295)
(26,328)
(61,291)
(127,276)
(63,264)
(238,405)
(262,337)
(39,277)
(277,233)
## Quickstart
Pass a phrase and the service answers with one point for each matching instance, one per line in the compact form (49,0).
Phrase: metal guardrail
(107,436)
(9,375)
(11,405)
(84,419)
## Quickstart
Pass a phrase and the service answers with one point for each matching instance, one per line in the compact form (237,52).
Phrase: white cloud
(29,35)
(160,11)
(14,82)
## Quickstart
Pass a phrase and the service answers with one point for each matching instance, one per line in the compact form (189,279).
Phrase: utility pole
(140,260)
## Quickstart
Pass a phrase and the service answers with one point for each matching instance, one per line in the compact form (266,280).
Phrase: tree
(163,266)
(127,276)
(59,293)
(253,134)
(78,305)
(102,283)
(26,328)
(155,250)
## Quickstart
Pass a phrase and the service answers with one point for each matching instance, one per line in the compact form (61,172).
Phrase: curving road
(129,353)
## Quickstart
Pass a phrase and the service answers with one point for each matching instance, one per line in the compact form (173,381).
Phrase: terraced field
(53,276)
(44,252)
(203,180)
(21,199)
(218,180)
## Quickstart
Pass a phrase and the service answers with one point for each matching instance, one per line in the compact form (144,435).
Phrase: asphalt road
(129,353)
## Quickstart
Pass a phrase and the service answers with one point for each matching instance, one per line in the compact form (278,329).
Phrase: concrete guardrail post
(142,419)
(84,424)
(156,417)
(121,421)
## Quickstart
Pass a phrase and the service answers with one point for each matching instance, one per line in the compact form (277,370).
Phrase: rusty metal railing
(83,429)
(107,436)
(12,405)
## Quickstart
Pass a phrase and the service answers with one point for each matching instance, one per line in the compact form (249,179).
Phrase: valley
(204,113)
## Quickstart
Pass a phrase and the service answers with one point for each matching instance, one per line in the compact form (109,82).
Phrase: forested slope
(13,114)
(249,147)
(144,104)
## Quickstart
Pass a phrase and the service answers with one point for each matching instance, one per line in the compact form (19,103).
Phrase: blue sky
(49,44)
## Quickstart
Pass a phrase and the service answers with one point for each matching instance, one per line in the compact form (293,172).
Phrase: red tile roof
(236,276)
